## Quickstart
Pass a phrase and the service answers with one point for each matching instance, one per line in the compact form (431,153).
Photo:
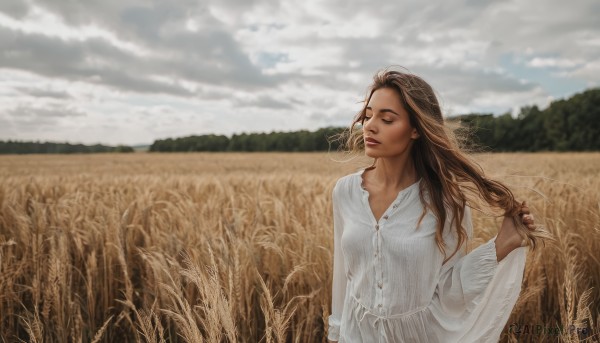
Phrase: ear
(414,134)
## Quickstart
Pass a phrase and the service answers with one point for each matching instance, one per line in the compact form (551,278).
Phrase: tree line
(566,125)
(18,147)
(304,140)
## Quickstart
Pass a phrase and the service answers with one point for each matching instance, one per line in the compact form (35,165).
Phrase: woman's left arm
(478,291)
(508,238)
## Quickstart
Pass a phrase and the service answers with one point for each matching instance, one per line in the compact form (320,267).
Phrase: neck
(395,173)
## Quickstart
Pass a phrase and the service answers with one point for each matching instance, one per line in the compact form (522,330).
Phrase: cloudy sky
(132,71)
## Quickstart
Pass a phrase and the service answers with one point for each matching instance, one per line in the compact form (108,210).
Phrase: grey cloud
(464,84)
(552,31)
(332,118)
(54,57)
(44,92)
(6,128)
(516,26)
(14,8)
(26,119)
(37,113)
(137,82)
(147,22)
(264,101)
(215,58)
(457,22)
(28,125)
(105,12)
(210,56)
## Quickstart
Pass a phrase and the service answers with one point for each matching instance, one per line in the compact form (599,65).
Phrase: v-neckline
(366,195)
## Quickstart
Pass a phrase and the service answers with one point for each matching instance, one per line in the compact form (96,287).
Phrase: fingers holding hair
(527,217)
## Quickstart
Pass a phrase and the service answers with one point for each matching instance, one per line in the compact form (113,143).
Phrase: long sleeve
(465,277)
(476,294)
(338,292)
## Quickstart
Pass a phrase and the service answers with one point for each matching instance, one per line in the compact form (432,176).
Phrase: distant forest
(566,125)
(275,141)
(16,147)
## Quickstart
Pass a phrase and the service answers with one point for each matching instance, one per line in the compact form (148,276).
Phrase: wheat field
(231,247)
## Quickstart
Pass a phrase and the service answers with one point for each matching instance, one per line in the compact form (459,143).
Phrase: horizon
(138,145)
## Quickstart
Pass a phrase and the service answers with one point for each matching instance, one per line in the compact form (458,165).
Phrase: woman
(401,225)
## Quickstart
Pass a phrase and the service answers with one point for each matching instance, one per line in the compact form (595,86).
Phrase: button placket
(379,269)
(377,258)
(376,241)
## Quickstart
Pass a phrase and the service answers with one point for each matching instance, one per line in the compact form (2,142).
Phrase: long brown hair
(448,174)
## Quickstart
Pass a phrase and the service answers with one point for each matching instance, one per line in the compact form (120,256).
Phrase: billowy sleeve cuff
(468,277)
(334,329)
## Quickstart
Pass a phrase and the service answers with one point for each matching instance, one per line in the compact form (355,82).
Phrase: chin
(372,153)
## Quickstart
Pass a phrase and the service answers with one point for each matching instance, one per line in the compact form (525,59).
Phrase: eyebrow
(383,110)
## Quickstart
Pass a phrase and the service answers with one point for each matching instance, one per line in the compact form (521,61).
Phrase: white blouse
(389,284)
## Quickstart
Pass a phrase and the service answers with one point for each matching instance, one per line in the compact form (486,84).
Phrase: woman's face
(387,131)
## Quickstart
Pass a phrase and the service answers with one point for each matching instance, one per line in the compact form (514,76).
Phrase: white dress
(389,284)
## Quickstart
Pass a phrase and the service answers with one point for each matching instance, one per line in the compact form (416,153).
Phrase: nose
(370,126)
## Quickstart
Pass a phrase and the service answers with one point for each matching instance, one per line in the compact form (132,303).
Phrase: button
(380,285)
(377,227)
(375,254)
(380,305)
(385,217)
